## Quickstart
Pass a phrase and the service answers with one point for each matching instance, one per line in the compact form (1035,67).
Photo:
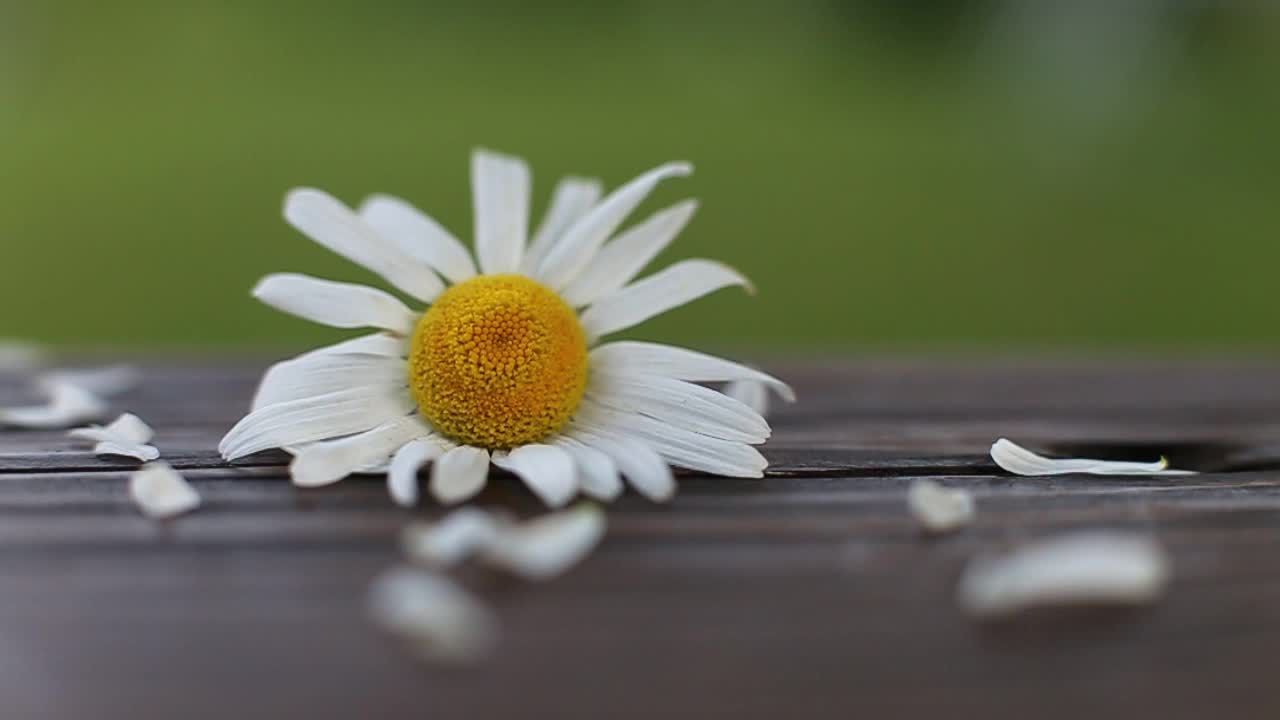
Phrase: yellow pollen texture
(498,361)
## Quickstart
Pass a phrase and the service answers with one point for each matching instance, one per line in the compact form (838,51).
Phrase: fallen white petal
(437,617)
(20,355)
(69,404)
(1086,568)
(677,285)
(1020,461)
(539,549)
(160,492)
(128,428)
(938,508)
(462,534)
(754,395)
(101,381)
(549,545)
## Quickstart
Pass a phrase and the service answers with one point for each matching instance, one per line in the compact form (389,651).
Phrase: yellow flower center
(498,361)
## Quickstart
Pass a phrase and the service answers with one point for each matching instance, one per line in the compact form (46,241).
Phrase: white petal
(332,224)
(939,509)
(548,546)
(645,469)
(500,193)
(373,344)
(643,358)
(573,198)
(676,445)
(754,395)
(402,476)
(462,534)
(1080,568)
(102,381)
(318,374)
(597,472)
(342,305)
(438,618)
(319,418)
(68,404)
(546,469)
(419,236)
(160,492)
(128,428)
(674,286)
(20,355)
(327,462)
(137,451)
(1020,461)
(692,407)
(459,474)
(580,242)
(619,261)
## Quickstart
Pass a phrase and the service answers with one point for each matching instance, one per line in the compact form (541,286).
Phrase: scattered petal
(439,619)
(548,546)
(939,509)
(69,404)
(1084,568)
(1020,461)
(101,381)
(160,492)
(20,355)
(126,436)
(461,535)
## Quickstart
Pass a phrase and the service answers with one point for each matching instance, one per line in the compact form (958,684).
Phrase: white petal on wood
(573,198)
(577,248)
(313,375)
(128,428)
(1020,461)
(402,476)
(548,546)
(668,289)
(20,355)
(419,236)
(547,470)
(459,474)
(1094,568)
(630,357)
(320,418)
(461,535)
(643,467)
(324,463)
(500,187)
(138,451)
(939,509)
(160,492)
(341,305)
(101,381)
(677,446)
(624,257)
(754,395)
(332,224)
(597,472)
(68,404)
(682,404)
(440,621)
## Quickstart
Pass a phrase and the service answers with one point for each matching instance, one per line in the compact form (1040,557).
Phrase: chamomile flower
(507,364)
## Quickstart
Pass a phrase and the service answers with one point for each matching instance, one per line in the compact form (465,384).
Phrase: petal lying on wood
(126,436)
(939,509)
(160,492)
(439,619)
(69,404)
(536,550)
(1013,458)
(1090,568)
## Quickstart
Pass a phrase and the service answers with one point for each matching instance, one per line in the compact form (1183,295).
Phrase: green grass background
(886,177)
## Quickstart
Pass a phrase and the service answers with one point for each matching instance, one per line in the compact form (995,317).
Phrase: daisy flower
(506,365)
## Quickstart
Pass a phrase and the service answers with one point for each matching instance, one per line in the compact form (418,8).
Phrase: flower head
(505,364)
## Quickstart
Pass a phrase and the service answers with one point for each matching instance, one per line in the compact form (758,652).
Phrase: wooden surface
(807,594)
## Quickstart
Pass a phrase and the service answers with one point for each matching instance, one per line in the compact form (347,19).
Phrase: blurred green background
(935,174)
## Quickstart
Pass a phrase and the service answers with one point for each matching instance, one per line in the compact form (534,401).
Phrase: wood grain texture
(810,593)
